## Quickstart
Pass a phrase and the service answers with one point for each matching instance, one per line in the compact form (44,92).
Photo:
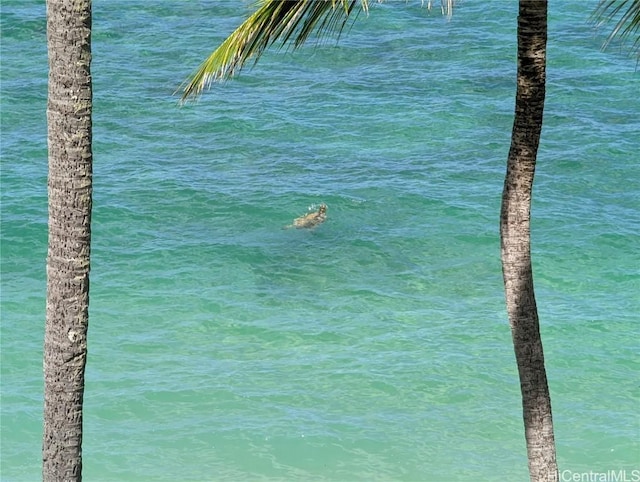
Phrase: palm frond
(627,14)
(287,21)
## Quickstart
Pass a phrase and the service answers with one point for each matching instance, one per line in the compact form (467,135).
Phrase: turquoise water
(376,347)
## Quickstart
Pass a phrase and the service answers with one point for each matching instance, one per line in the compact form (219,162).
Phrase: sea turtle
(310,220)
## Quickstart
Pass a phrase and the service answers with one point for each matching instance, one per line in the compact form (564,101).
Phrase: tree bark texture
(69,124)
(515,240)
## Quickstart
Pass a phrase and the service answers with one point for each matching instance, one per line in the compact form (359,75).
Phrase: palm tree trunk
(70,197)
(515,240)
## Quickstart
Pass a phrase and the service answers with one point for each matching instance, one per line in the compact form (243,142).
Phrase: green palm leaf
(286,21)
(627,13)
(283,20)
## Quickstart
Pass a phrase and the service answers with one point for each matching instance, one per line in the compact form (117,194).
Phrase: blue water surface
(375,347)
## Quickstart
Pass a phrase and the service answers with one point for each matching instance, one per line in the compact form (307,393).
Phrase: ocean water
(375,347)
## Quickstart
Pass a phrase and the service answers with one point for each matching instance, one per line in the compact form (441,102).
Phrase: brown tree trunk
(515,240)
(70,199)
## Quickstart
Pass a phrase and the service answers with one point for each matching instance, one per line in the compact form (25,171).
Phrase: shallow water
(375,347)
